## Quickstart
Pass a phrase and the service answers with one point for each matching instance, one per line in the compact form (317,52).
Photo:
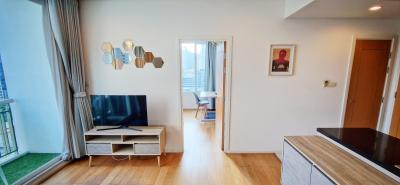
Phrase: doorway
(205,85)
(367,83)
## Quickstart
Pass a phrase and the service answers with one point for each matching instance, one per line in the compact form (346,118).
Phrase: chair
(200,103)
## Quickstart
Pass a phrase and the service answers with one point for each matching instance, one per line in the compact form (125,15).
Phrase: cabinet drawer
(318,178)
(296,169)
(147,148)
(98,148)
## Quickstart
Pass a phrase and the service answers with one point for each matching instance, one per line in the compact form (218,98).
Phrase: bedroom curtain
(210,69)
(61,22)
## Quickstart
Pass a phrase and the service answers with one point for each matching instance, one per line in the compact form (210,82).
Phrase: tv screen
(113,110)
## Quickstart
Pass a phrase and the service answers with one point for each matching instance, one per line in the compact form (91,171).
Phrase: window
(8,142)
(194,55)
(3,87)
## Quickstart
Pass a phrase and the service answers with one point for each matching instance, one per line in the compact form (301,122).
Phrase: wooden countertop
(379,148)
(339,165)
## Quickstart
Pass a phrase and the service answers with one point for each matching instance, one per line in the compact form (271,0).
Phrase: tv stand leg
(129,156)
(90,160)
(159,161)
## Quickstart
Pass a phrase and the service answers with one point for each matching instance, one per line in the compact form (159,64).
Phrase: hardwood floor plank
(202,163)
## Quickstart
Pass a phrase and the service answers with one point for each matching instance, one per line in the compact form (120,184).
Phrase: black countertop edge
(389,167)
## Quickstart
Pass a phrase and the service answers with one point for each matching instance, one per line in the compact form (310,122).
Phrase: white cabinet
(318,178)
(296,169)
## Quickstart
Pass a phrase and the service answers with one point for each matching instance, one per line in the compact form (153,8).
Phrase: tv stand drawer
(98,148)
(147,148)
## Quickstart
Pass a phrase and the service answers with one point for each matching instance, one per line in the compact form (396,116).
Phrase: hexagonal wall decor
(117,64)
(107,47)
(139,52)
(148,56)
(119,56)
(128,45)
(107,58)
(140,62)
(158,62)
(126,58)
(118,53)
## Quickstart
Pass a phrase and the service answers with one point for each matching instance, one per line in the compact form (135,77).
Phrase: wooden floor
(202,163)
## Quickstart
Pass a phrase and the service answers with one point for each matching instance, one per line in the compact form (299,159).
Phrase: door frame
(388,78)
(228,84)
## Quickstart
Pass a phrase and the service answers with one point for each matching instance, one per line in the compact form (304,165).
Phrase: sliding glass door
(31,127)
(8,142)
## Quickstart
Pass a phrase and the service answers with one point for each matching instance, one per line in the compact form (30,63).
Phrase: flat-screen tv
(117,110)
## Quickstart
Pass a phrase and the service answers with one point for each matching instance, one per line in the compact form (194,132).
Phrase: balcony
(8,142)
(31,126)
(19,161)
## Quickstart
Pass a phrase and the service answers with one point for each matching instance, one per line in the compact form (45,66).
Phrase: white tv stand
(149,141)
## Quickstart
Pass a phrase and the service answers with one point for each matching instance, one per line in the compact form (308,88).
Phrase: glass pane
(3,87)
(32,124)
(8,143)
(188,67)
(201,66)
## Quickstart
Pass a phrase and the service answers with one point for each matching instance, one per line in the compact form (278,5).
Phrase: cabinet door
(296,170)
(318,178)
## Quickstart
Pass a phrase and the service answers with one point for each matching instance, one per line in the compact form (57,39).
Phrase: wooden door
(395,126)
(220,89)
(367,83)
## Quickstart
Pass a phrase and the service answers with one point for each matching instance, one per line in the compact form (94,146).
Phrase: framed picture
(281,60)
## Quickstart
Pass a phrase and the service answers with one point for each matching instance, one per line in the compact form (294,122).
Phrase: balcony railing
(8,142)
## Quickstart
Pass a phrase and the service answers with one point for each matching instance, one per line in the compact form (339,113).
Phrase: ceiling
(344,9)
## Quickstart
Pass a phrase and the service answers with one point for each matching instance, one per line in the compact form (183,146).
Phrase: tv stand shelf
(149,141)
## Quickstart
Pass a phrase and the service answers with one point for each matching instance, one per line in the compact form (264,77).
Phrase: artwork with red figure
(281,60)
(281,63)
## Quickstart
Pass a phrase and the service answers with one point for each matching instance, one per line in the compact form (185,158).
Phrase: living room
(58,53)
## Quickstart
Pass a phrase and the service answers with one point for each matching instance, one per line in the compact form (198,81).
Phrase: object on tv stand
(120,127)
(123,125)
(119,112)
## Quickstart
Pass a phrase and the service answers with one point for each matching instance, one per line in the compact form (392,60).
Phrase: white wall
(188,101)
(264,108)
(27,71)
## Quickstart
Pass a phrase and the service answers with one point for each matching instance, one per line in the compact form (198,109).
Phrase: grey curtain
(210,69)
(61,19)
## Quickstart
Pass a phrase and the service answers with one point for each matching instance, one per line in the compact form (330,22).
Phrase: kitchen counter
(377,147)
(331,164)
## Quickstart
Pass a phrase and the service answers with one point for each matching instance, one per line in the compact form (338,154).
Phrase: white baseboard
(252,151)
(279,155)
(173,150)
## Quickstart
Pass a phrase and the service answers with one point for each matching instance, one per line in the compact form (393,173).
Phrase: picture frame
(281,60)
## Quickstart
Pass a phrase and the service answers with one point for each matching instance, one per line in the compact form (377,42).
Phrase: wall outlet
(328,83)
